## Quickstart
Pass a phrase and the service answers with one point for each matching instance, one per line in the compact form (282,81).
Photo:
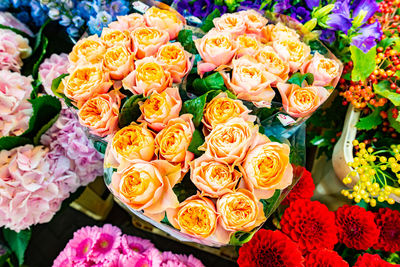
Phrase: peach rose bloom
(173,141)
(175,60)
(112,37)
(148,77)
(215,49)
(276,32)
(159,108)
(247,45)
(240,211)
(301,102)
(195,216)
(250,81)
(100,113)
(254,21)
(222,108)
(213,178)
(233,23)
(88,50)
(164,20)
(326,71)
(267,168)
(132,142)
(118,61)
(128,23)
(293,51)
(147,186)
(85,82)
(273,63)
(230,141)
(147,41)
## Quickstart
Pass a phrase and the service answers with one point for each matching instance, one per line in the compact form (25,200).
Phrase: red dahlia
(304,189)
(270,249)
(324,258)
(356,227)
(388,222)
(311,224)
(368,260)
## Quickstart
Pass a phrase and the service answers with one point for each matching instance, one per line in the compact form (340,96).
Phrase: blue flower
(38,13)
(328,36)
(301,14)
(4,4)
(78,21)
(281,6)
(20,3)
(72,31)
(86,9)
(65,21)
(366,7)
(340,17)
(118,8)
(312,3)
(95,26)
(368,34)
(104,17)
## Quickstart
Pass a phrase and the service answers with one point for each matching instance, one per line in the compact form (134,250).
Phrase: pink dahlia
(51,68)
(107,243)
(83,243)
(133,243)
(9,20)
(151,258)
(13,48)
(64,259)
(170,259)
(15,110)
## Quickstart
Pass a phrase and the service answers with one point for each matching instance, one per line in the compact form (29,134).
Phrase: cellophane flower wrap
(203,133)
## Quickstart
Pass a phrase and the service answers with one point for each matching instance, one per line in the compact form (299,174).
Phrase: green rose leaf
(240,237)
(208,22)
(185,37)
(211,82)
(130,111)
(363,63)
(299,78)
(371,121)
(195,107)
(185,188)
(9,142)
(100,146)
(54,88)
(270,203)
(46,109)
(18,242)
(317,46)
(197,140)
(383,89)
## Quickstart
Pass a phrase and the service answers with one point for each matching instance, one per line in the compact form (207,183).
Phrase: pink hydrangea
(51,68)
(67,138)
(13,48)
(15,110)
(9,20)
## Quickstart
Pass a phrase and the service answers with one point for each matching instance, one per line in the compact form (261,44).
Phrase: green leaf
(394,123)
(317,46)
(185,188)
(35,71)
(269,204)
(18,242)
(197,140)
(36,138)
(54,87)
(39,36)
(383,89)
(363,63)
(35,85)
(166,221)
(319,141)
(211,82)
(130,110)
(100,146)
(208,22)
(45,109)
(299,78)
(185,37)
(385,43)
(23,34)
(370,121)
(9,142)
(240,237)
(195,107)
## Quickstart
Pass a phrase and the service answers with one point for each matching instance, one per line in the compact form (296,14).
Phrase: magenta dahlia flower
(83,243)
(136,244)
(107,243)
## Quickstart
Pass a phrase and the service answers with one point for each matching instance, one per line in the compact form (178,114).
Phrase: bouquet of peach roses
(188,126)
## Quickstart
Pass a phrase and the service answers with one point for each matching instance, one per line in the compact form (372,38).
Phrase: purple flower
(245,5)
(118,8)
(368,34)
(328,36)
(312,3)
(340,17)
(202,8)
(368,7)
(282,5)
(301,14)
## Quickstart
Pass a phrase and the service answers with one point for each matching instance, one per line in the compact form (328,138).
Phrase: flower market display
(197,115)
(107,246)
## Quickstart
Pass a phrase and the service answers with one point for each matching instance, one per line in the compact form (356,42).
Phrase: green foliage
(18,242)
(100,146)
(195,107)
(394,123)
(166,221)
(14,30)
(197,140)
(185,188)
(130,111)
(299,78)
(54,86)
(208,22)
(385,43)
(211,82)
(317,46)
(35,70)
(240,237)
(270,203)
(364,63)
(9,142)
(383,89)
(185,37)
(371,121)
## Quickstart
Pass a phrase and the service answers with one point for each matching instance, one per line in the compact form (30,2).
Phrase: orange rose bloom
(100,113)
(111,37)
(326,71)
(254,21)
(273,63)
(85,82)
(293,51)
(147,41)
(301,102)
(128,23)
(87,50)
(118,61)
(232,23)
(276,32)
(247,45)
(164,20)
